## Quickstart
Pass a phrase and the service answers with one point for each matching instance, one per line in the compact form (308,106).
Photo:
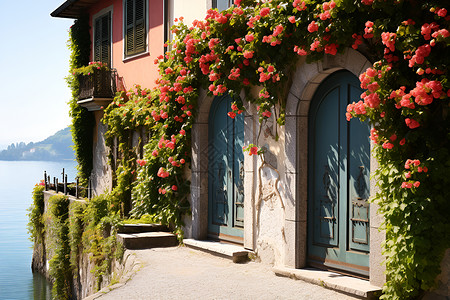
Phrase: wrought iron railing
(99,84)
(68,188)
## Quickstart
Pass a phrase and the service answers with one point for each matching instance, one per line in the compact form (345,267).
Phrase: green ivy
(58,229)
(82,120)
(99,236)
(36,227)
(76,228)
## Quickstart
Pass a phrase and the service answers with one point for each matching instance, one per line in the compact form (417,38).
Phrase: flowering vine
(256,44)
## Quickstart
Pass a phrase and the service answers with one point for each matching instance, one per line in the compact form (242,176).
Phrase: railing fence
(72,188)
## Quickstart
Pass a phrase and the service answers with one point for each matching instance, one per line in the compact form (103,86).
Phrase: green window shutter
(97,39)
(102,39)
(129,28)
(135,27)
(140,31)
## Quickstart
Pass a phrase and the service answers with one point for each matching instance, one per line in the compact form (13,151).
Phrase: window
(102,38)
(222,4)
(135,27)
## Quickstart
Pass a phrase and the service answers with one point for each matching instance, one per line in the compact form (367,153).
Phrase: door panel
(226,171)
(326,190)
(339,168)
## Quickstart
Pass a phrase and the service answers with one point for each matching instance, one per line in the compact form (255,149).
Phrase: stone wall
(84,282)
(101,171)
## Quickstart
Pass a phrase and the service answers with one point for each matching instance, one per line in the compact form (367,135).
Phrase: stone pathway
(185,273)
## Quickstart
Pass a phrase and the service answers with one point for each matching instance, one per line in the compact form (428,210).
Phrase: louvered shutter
(97,39)
(139,42)
(102,36)
(135,37)
(129,28)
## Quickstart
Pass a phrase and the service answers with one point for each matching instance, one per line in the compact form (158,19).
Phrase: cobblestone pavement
(184,273)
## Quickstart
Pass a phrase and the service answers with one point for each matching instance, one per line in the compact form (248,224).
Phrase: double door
(339,169)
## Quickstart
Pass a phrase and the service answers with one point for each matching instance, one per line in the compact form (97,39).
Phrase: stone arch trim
(197,224)
(306,80)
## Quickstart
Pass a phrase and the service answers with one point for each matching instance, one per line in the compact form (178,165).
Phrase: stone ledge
(147,240)
(236,253)
(335,281)
(140,228)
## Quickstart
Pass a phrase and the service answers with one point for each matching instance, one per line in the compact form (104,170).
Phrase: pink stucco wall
(141,69)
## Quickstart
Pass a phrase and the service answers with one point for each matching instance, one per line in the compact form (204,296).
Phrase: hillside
(54,148)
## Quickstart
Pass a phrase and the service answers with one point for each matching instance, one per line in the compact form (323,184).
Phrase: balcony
(97,89)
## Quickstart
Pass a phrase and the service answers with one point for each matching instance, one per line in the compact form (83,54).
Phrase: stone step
(147,240)
(139,228)
(335,281)
(237,253)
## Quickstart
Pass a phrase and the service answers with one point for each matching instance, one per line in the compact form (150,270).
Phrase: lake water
(17,180)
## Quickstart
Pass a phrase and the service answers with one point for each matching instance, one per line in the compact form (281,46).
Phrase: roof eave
(73,9)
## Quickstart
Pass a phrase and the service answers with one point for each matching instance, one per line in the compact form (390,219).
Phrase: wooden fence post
(65,184)
(76,188)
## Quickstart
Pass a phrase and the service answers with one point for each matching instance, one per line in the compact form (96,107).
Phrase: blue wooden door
(338,188)
(225,172)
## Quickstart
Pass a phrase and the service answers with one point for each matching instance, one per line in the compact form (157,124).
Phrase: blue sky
(34,60)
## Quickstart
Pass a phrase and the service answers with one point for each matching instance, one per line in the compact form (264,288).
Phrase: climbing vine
(256,44)
(99,236)
(58,228)
(35,226)
(82,120)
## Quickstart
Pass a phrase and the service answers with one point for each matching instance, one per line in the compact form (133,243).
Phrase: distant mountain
(54,148)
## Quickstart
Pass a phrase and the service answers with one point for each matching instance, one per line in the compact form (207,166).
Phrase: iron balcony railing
(99,84)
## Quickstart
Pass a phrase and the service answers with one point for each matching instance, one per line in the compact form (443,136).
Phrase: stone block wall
(84,281)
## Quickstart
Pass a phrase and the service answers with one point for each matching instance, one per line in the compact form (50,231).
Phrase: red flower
(162,173)
(174,188)
(367,2)
(265,11)
(266,114)
(406,185)
(411,123)
(331,49)
(141,162)
(313,26)
(253,151)
(387,145)
(291,19)
(170,145)
(248,54)
(441,12)
(232,114)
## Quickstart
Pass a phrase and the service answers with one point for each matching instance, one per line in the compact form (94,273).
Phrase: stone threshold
(237,253)
(335,281)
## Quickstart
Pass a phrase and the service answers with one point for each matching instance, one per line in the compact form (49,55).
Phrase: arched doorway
(225,172)
(338,179)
